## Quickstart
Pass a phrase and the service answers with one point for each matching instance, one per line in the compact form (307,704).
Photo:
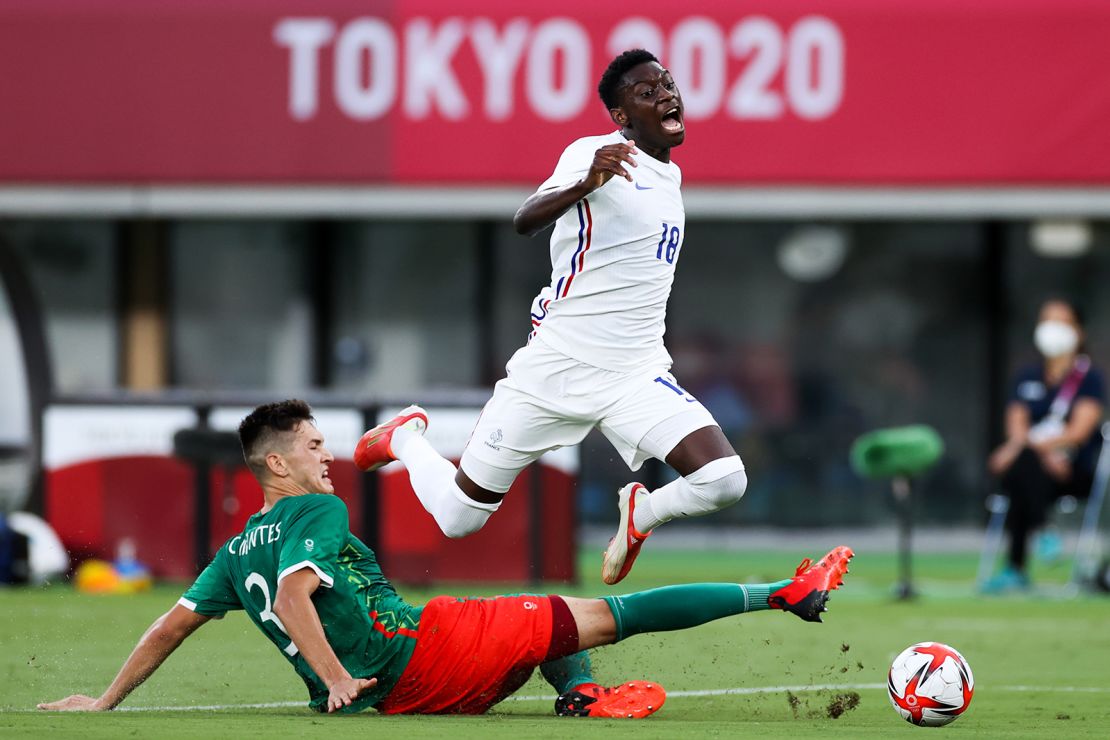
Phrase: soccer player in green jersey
(317,593)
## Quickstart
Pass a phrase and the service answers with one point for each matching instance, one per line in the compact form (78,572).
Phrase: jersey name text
(242,544)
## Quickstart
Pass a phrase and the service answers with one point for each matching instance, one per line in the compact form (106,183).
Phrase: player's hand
(343,692)
(75,703)
(609,160)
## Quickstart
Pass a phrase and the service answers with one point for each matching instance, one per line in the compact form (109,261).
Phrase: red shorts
(472,653)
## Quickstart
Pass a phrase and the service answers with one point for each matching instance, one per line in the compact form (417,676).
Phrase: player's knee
(720,483)
(725,491)
(456,529)
(460,515)
(732,488)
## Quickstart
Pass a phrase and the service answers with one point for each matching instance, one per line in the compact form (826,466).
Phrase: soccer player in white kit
(595,355)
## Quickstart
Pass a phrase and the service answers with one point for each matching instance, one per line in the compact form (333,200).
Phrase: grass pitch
(1039,664)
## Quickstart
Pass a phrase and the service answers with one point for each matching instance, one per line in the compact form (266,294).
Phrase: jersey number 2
(668,243)
(266,615)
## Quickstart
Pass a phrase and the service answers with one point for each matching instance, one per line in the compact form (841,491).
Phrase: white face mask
(1055,338)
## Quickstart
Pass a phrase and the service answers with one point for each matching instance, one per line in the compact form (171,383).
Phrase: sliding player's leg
(579,693)
(568,673)
(615,618)
(472,653)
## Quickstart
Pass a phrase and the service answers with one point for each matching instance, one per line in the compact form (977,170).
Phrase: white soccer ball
(930,684)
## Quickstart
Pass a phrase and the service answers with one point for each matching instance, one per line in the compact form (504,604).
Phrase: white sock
(712,487)
(644,518)
(433,480)
(400,438)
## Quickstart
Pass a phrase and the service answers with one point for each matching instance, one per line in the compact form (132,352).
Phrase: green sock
(679,607)
(569,671)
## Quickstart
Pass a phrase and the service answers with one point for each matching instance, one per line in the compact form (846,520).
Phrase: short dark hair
(611,78)
(259,431)
(1078,310)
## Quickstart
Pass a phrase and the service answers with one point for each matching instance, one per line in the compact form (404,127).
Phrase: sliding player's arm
(293,606)
(156,644)
(544,207)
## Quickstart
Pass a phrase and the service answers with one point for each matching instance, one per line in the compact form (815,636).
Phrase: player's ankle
(586,687)
(400,438)
(644,519)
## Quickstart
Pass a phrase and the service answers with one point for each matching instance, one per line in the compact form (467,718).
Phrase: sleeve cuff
(324,577)
(192,606)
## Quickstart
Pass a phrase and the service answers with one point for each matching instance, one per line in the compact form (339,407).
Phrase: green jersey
(370,628)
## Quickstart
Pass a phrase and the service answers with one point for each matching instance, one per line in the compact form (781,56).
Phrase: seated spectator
(1051,446)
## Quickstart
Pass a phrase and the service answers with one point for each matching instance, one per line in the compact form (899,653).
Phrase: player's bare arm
(543,208)
(156,644)
(293,605)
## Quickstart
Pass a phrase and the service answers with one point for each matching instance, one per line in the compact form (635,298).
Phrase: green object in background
(896,452)
(899,454)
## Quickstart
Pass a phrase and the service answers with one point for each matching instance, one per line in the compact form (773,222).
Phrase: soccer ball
(930,684)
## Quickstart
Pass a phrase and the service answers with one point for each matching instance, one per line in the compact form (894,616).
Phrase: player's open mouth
(672,121)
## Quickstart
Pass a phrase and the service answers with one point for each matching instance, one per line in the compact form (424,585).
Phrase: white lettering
(361,37)
(264,534)
(429,78)
(815,68)
(751,96)
(499,58)
(558,39)
(799,71)
(304,37)
(697,61)
(635,33)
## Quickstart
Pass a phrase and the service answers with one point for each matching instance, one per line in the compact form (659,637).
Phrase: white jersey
(613,256)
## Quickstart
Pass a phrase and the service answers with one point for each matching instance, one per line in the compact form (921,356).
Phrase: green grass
(54,642)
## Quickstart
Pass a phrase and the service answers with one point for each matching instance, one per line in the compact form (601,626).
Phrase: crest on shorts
(495,438)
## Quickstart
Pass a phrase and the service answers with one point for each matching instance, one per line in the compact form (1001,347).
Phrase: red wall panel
(423,91)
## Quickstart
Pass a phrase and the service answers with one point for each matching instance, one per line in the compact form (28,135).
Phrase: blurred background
(207,205)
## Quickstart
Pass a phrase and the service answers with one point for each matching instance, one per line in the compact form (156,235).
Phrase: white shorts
(549,401)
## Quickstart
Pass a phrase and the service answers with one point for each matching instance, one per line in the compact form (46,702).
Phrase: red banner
(776,92)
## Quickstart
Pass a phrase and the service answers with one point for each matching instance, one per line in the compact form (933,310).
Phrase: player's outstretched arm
(156,644)
(544,207)
(293,606)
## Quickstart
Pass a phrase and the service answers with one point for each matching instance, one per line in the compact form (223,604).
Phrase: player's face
(652,109)
(308,460)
